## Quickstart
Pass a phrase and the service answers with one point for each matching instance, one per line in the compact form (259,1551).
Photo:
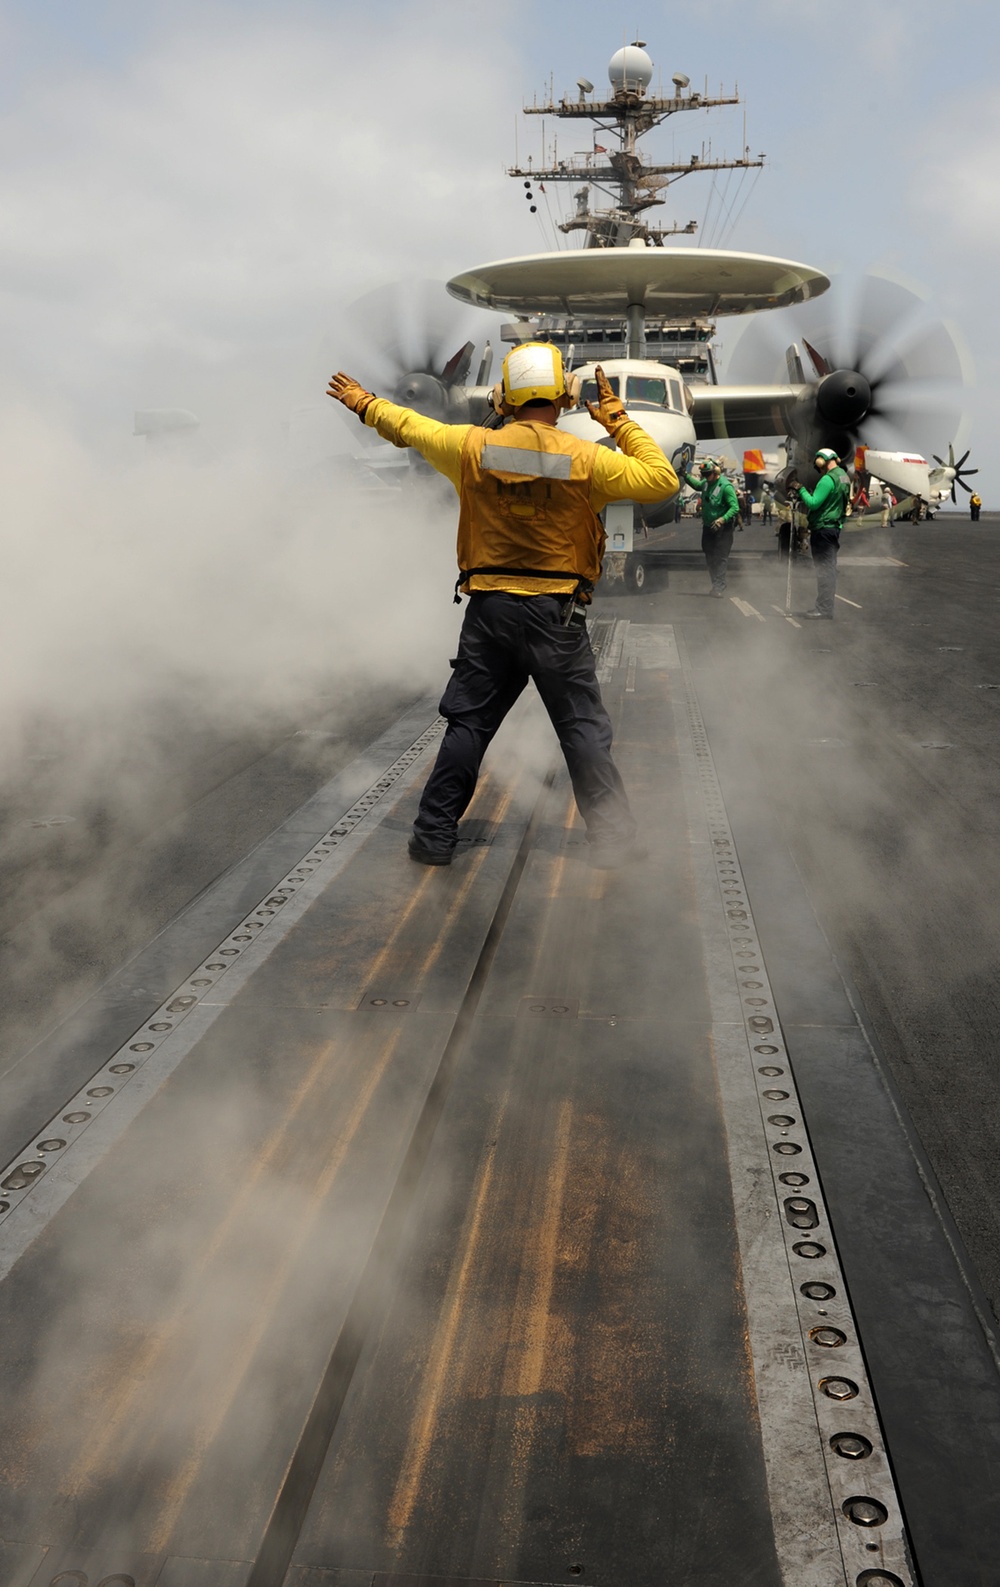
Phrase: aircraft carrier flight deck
(373,1225)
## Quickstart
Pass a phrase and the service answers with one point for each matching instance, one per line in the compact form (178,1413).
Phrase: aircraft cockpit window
(588,390)
(676,398)
(647,388)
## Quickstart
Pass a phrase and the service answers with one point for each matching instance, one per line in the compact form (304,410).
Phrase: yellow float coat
(529,493)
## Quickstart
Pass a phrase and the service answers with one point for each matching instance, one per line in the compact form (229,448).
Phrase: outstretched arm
(439,444)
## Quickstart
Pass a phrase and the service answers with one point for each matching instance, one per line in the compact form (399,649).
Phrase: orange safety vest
(525,521)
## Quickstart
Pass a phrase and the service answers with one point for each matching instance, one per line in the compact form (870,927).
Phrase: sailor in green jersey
(827,509)
(720,513)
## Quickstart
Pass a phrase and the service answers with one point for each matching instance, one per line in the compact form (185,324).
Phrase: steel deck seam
(768,1242)
(40,1179)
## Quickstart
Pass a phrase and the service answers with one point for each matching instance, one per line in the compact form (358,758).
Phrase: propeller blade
(962,460)
(410,328)
(819,362)
(457,368)
(965,487)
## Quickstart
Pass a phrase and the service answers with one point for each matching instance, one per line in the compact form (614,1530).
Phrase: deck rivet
(828,1338)
(851,1446)
(864,1511)
(818,1291)
(838,1388)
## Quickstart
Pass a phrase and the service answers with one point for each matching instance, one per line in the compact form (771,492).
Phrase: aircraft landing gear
(635,574)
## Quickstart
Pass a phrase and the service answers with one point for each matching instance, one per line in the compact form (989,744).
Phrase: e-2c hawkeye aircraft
(648,313)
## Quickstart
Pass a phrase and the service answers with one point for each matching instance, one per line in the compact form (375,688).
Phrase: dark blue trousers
(824,547)
(717,544)
(505,640)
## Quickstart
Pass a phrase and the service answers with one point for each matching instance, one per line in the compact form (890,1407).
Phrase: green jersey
(718,500)
(827,504)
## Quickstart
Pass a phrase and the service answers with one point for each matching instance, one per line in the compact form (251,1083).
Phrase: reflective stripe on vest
(529,465)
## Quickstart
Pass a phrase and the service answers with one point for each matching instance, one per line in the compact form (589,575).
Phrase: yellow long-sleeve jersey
(529,494)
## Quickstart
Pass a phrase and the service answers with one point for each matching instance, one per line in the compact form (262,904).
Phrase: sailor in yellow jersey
(530,544)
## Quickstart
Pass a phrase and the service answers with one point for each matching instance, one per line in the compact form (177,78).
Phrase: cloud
(230,185)
(954,189)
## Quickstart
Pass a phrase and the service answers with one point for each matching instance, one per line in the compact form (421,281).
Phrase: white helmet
(534,372)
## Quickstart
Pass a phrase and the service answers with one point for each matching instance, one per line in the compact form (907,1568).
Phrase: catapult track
(452,1226)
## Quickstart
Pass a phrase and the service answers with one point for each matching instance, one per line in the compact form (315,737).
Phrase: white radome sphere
(631,68)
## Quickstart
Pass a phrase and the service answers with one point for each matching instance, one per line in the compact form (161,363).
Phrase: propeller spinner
(961,473)
(886,373)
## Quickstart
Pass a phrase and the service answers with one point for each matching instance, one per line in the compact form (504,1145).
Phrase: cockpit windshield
(588,390)
(646,388)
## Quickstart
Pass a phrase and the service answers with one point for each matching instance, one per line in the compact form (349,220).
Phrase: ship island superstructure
(631,188)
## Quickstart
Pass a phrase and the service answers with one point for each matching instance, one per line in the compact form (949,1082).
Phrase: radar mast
(620,173)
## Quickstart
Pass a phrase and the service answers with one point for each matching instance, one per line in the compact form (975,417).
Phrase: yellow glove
(350,393)
(609,411)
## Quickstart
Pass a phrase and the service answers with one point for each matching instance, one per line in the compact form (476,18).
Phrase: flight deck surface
(514,1222)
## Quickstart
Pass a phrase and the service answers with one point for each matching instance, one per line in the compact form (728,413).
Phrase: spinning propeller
(413,344)
(879,368)
(961,472)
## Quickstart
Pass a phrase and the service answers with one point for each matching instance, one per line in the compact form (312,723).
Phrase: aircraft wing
(722,412)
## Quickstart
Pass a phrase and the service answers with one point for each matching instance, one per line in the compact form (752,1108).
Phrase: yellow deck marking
(531,1367)
(229,1385)
(151,1354)
(148,1358)
(459,900)
(381,958)
(525,1371)
(425,1417)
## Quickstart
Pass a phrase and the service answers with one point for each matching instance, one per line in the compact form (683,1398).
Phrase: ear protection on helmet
(574,386)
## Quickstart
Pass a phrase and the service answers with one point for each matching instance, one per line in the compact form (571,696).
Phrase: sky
(192,196)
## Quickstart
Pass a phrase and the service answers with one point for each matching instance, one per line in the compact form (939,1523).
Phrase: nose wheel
(635,574)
